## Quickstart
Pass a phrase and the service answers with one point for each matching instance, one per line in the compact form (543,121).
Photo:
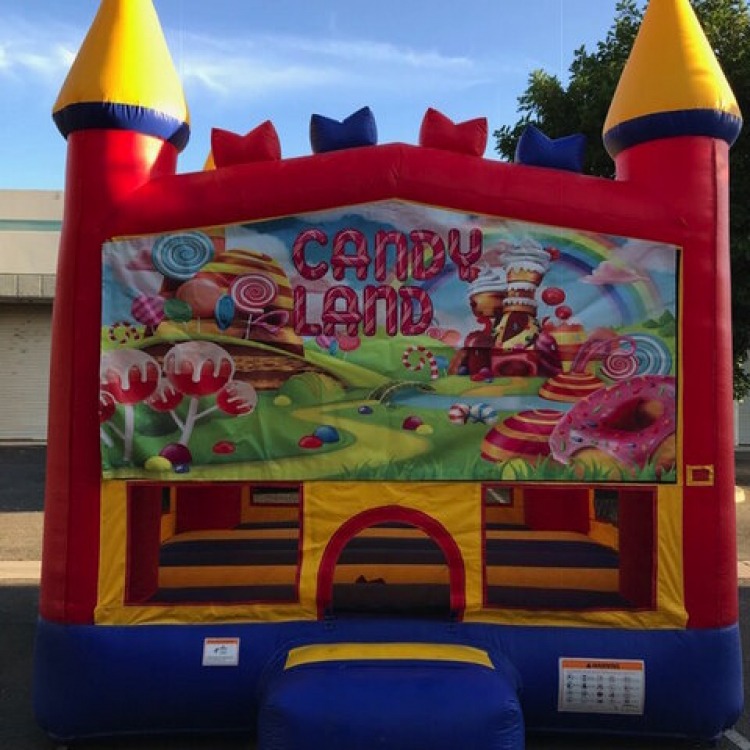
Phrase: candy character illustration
(486,295)
(568,337)
(518,329)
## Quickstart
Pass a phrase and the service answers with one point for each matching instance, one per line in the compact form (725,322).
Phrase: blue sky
(245,61)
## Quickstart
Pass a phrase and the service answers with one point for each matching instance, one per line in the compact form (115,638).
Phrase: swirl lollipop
(180,256)
(252,292)
(621,364)
(653,355)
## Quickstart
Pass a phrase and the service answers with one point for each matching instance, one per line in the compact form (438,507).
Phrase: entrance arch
(399,514)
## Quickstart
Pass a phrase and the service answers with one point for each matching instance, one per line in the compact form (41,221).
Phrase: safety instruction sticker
(603,686)
(221,652)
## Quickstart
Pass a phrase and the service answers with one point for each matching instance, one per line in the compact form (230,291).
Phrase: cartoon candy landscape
(389,341)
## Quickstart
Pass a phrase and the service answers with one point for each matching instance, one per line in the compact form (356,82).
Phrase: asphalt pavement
(21,512)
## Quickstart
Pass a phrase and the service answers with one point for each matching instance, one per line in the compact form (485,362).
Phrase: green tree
(581,107)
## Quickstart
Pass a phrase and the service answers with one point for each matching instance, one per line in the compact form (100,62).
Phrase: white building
(29,236)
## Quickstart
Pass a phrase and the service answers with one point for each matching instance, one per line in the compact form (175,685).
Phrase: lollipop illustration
(165,399)
(237,397)
(107,407)
(255,299)
(179,257)
(148,310)
(130,376)
(251,294)
(621,363)
(652,354)
(198,369)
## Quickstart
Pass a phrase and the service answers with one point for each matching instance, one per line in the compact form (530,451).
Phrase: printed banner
(389,341)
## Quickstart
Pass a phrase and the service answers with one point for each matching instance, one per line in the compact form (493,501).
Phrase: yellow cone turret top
(672,84)
(123,77)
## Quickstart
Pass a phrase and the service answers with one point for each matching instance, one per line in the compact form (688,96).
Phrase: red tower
(670,133)
(125,126)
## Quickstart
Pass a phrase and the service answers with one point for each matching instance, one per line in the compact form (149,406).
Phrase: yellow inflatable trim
(387,652)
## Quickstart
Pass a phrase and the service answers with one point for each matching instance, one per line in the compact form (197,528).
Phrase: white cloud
(255,66)
(32,51)
(250,77)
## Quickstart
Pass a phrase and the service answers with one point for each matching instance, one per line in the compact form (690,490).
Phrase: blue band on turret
(104,116)
(707,122)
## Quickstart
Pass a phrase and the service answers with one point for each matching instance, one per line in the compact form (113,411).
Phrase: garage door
(24,371)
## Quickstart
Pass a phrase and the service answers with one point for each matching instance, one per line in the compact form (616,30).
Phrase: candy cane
(424,357)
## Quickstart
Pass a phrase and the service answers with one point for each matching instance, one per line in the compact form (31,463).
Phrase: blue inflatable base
(93,681)
(399,705)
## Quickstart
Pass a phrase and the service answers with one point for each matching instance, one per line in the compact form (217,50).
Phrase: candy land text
(388,256)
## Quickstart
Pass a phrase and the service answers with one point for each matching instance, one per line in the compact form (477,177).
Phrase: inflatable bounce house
(391,445)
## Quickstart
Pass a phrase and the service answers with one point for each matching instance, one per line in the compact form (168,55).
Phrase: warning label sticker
(604,686)
(221,652)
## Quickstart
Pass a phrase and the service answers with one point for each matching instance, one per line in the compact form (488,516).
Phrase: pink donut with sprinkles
(627,421)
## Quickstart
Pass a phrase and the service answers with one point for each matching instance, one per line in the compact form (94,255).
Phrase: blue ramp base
(399,703)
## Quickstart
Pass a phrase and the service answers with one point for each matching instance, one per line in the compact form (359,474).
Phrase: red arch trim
(434,529)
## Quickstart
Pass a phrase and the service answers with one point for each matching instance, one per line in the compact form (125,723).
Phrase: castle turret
(672,86)
(123,113)
(123,78)
(670,126)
